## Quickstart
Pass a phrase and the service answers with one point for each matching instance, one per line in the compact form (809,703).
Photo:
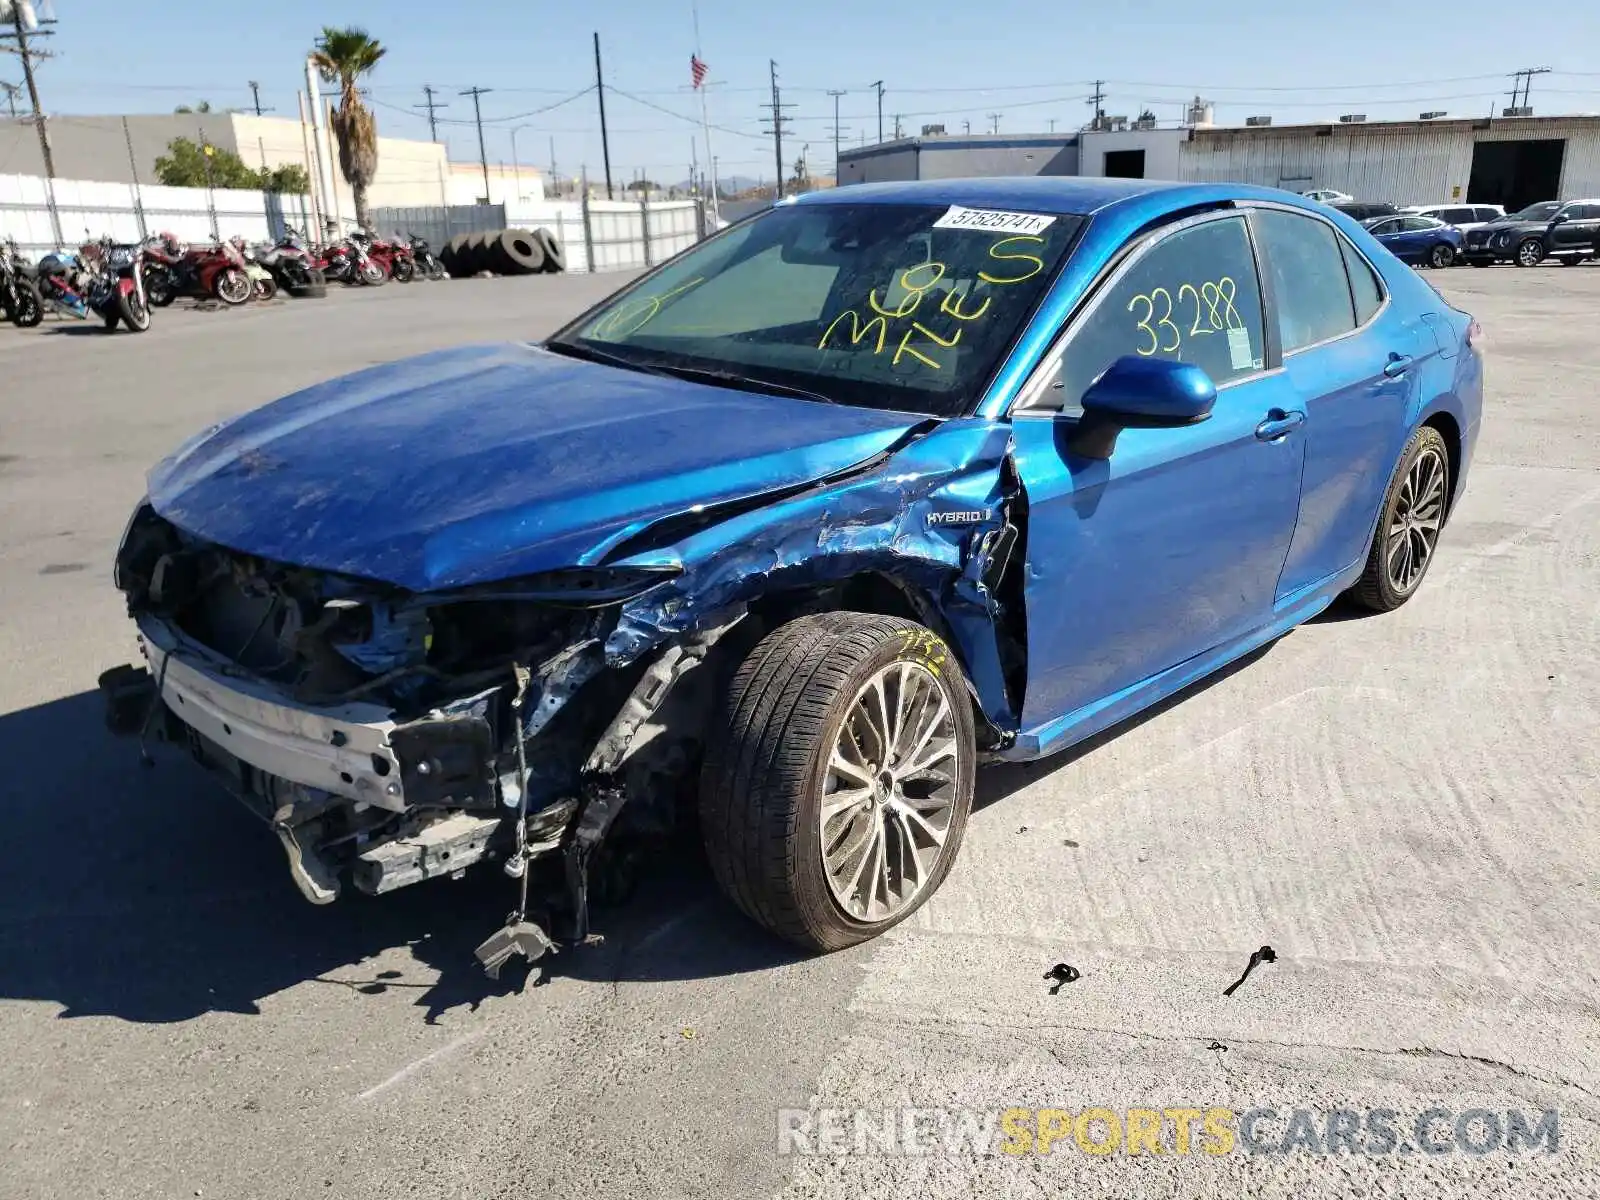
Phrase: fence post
(588,231)
(644,227)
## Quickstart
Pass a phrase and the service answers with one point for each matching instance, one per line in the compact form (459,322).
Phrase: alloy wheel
(1414,525)
(889,792)
(1530,254)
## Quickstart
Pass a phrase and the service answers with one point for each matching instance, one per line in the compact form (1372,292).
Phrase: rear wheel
(1442,255)
(834,798)
(1530,253)
(1409,525)
(1571,260)
(28,310)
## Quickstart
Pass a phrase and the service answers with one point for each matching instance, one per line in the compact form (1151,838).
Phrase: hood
(487,462)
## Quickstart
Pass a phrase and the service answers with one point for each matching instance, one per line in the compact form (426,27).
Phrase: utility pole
(431,104)
(1097,105)
(20,34)
(779,123)
(483,155)
(879,87)
(898,134)
(837,131)
(255,94)
(1523,81)
(994,122)
(605,142)
(11,90)
(555,180)
(966,127)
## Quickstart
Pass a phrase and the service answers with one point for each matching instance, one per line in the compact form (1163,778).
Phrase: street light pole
(516,165)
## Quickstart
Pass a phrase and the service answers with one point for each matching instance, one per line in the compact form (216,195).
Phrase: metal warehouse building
(1512,161)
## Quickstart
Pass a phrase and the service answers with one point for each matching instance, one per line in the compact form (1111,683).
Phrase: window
(1488,214)
(1384,227)
(1193,297)
(1417,224)
(1308,278)
(1453,216)
(895,306)
(1364,284)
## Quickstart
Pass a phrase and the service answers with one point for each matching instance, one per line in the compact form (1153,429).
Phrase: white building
(1511,161)
(117,149)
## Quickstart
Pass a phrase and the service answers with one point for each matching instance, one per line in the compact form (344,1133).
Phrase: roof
(1031,193)
(935,142)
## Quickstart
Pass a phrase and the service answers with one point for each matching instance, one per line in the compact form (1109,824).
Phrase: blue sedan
(1419,240)
(797,528)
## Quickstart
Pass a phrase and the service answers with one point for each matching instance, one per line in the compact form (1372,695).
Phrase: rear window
(1364,286)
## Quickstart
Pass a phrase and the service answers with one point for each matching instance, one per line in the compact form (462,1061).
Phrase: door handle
(1397,365)
(1278,424)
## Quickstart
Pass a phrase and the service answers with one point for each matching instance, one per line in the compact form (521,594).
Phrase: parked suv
(1465,217)
(1358,210)
(1567,230)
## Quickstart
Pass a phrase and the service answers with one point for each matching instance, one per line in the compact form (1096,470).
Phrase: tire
(1571,260)
(232,286)
(28,310)
(135,313)
(372,274)
(113,318)
(519,253)
(1441,256)
(436,271)
(159,288)
(1530,252)
(555,258)
(1379,588)
(762,783)
(265,289)
(404,270)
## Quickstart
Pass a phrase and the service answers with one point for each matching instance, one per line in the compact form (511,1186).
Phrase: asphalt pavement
(1406,808)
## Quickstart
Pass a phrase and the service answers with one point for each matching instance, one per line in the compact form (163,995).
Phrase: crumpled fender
(885,520)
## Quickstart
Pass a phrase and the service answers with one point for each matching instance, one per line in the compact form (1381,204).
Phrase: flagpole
(705,120)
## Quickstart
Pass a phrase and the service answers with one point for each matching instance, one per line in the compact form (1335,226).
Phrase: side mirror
(1559,219)
(1141,393)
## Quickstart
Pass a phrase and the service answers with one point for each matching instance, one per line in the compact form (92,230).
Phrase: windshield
(1542,211)
(906,307)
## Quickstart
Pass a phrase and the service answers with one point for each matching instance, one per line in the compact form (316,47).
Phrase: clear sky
(949,61)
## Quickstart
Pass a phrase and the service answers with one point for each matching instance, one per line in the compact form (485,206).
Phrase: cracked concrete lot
(1406,808)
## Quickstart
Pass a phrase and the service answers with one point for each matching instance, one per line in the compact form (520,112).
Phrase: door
(1173,544)
(1577,231)
(1389,233)
(1353,362)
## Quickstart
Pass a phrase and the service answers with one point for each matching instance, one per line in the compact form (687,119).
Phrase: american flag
(697,70)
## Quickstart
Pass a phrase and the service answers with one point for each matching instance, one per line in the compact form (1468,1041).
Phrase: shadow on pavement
(150,895)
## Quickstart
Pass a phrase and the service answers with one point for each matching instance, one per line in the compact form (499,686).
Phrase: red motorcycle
(349,262)
(396,258)
(210,272)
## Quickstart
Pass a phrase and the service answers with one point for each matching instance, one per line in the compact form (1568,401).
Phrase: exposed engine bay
(384,736)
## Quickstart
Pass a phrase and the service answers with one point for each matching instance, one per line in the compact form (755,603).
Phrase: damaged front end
(389,737)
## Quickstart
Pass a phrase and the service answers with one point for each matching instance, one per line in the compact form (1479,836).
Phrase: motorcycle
(104,278)
(291,265)
(349,262)
(428,264)
(395,258)
(263,286)
(199,272)
(19,295)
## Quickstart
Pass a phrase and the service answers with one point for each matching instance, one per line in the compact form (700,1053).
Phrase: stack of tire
(502,252)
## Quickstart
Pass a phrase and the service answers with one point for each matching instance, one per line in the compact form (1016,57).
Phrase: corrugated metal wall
(1402,164)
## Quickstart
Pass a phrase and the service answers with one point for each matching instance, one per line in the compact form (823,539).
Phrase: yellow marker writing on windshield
(1038,263)
(858,331)
(643,307)
(905,346)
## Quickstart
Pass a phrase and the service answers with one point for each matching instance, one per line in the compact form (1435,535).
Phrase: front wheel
(436,271)
(232,286)
(404,270)
(1414,510)
(372,274)
(1530,253)
(835,793)
(135,313)
(1442,255)
(266,288)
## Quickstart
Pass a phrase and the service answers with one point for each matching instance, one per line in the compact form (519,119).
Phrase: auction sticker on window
(992,220)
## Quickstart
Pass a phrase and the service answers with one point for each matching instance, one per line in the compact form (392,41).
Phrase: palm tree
(343,56)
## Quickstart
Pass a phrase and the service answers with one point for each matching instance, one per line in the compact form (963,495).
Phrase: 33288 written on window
(1193,297)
